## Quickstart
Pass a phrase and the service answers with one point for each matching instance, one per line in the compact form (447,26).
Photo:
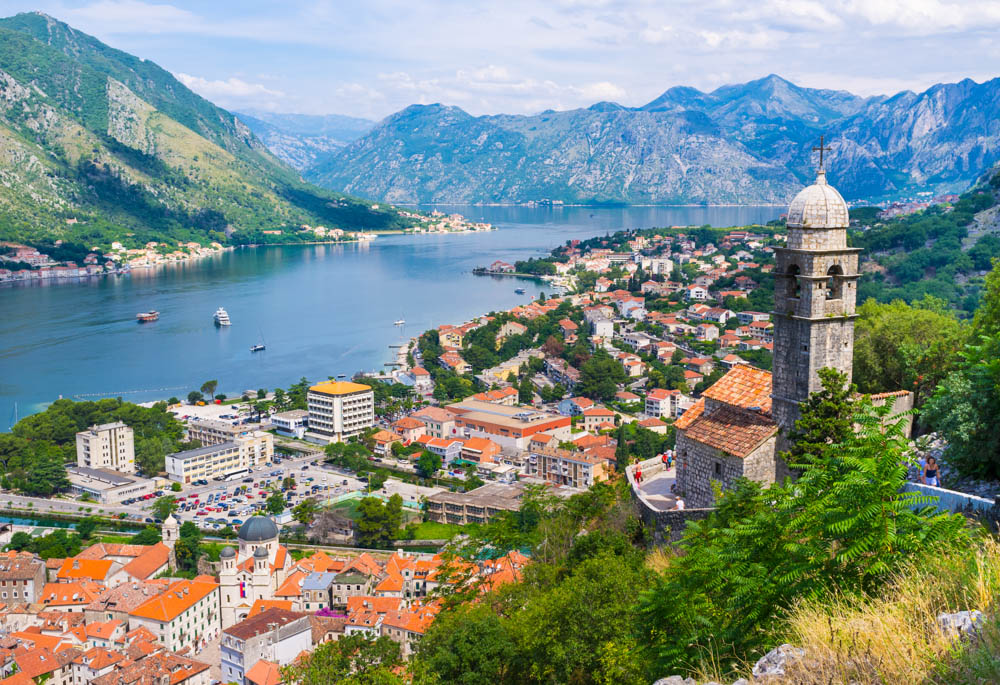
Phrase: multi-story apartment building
(108,446)
(438,422)
(218,461)
(476,506)
(339,410)
(186,615)
(215,432)
(565,467)
(506,426)
(276,635)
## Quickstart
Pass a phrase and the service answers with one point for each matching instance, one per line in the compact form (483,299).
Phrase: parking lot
(216,504)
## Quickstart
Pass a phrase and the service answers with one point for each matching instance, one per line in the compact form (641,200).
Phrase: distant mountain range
(299,139)
(746,143)
(98,145)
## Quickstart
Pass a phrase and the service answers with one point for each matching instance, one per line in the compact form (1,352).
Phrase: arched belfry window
(834,282)
(794,288)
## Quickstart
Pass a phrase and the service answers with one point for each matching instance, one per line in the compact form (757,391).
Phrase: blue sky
(372,58)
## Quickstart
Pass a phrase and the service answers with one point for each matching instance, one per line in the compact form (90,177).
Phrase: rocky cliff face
(749,143)
(300,139)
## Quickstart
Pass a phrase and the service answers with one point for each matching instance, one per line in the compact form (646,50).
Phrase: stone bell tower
(815,292)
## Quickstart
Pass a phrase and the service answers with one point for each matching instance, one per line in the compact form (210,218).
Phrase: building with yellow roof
(339,410)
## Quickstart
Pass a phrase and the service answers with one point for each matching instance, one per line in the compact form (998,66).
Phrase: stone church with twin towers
(742,422)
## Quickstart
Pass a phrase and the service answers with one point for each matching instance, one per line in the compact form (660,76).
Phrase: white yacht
(222,318)
(399,322)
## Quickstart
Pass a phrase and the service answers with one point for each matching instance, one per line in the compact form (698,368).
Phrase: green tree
(376,480)
(898,346)
(374,527)
(164,507)
(352,660)
(149,535)
(428,464)
(305,511)
(825,420)
(470,646)
(187,549)
(275,503)
(208,387)
(526,391)
(599,376)
(175,487)
(19,541)
(194,397)
(394,509)
(964,408)
(86,527)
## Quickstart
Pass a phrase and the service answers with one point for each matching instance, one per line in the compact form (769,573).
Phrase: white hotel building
(339,410)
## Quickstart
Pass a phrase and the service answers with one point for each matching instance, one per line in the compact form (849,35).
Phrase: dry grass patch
(894,637)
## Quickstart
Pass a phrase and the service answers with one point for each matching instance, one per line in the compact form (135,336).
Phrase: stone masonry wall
(667,526)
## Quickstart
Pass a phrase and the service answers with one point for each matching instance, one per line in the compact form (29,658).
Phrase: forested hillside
(98,145)
(943,251)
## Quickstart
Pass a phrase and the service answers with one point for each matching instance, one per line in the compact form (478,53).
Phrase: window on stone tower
(793,280)
(834,282)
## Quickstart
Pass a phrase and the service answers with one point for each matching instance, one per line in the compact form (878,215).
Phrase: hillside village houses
(680,314)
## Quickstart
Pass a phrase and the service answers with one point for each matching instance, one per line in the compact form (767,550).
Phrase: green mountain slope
(98,145)
(943,251)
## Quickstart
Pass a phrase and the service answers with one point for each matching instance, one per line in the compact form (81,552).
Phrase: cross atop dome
(821,149)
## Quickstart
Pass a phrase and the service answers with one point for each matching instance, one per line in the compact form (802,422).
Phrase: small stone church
(742,422)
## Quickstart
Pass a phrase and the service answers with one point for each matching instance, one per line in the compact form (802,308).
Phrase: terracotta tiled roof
(407,423)
(734,431)
(69,594)
(651,423)
(379,605)
(391,583)
(743,386)
(164,667)
(99,658)
(149,562)
(692,413)
(264,673)
(292,587)
(177,599)
(84,569)
(262,605)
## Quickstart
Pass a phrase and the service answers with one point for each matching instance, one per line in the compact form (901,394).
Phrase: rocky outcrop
(127,115)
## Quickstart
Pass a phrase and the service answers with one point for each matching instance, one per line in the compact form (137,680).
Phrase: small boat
(259,347)
(341,375)
(399,322)
(519,291)
(222,317)
(145,317)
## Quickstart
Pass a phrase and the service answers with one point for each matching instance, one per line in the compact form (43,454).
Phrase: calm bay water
(321,310)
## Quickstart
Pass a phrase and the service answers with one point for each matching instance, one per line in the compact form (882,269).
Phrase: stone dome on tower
(818,206)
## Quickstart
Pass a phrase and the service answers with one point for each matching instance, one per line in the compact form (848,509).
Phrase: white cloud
(229,89)
(521,56)
(133,16)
